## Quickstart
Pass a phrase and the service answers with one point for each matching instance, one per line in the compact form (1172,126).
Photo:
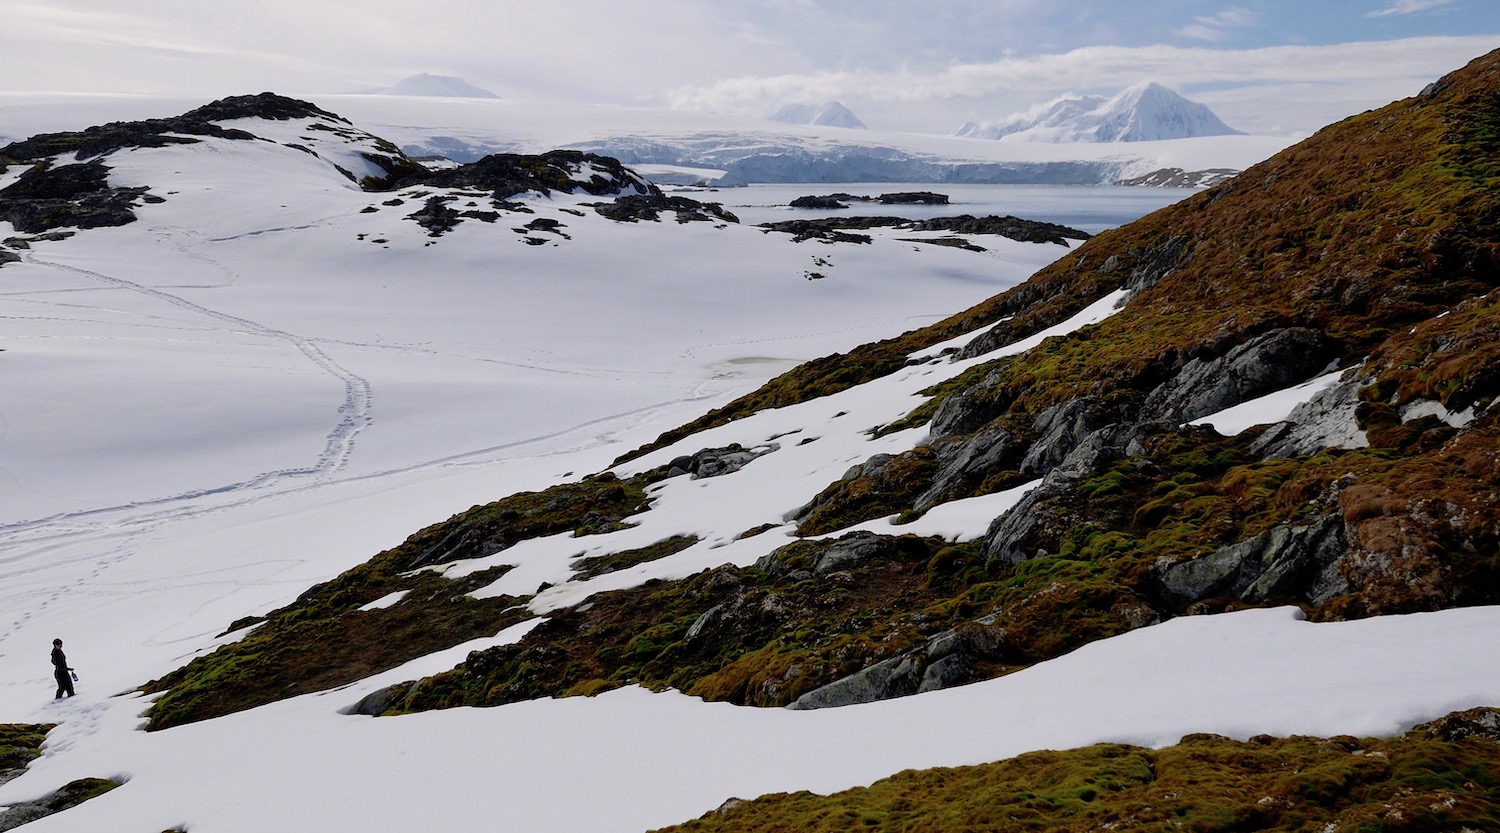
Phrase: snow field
(630,760)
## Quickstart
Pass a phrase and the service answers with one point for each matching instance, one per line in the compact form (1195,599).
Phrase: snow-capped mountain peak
(444,86)
(830,114)
(1141,113)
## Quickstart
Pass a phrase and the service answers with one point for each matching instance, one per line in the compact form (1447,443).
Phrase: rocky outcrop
(1015,536)
(1327,420)
(948,659)
(1286,562)
(713,462)
(842,200)
(1015,228)
(79,195)
(506,175)
(1269,362)
(1483,722)
(634,207)
(846,553)
(966,459)
(827,202)
(67,796)
(1179,178)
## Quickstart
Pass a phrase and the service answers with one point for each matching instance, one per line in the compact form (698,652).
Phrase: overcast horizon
(1268,67)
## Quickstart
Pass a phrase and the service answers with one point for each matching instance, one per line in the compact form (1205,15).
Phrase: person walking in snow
(61,671)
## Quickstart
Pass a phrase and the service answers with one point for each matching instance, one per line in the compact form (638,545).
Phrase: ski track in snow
(358,398)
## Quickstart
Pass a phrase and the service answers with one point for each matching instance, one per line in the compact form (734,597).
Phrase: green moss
(21,742)
(608,563)
(765,639)
(865,497)
(1206,783)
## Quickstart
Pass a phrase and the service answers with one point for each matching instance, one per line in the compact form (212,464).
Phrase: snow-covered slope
(1146,112)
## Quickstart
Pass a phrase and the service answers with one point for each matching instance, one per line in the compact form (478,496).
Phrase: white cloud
(1394,7)
(1215,27)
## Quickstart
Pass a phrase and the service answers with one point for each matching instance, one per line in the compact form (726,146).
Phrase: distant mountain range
(832,114)
(1146,112)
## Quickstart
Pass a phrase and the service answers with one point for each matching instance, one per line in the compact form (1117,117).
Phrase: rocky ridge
(66,181)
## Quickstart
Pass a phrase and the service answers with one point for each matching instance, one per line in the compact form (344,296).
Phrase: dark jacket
(60,661)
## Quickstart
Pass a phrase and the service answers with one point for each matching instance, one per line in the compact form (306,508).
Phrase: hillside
(1226,471)
(1375,498)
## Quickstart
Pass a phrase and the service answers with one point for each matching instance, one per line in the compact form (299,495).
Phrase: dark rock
(970,458)
(1016,535)
(912,198)
(152,133)
(1327,420)
(504,175)
(377,702)
(1015,228)
(1060,429)
(1269,362)
(635,207)
(1154,262)
(818,202)
(436,216)
(713,462)
(7,256)
(967,411)
(69,795)
(850,551)
(79,195)
(946,660)
(1482,722)
(1284,562)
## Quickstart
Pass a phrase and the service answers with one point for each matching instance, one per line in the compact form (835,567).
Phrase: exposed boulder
(1327,420)
(850,551)
(1060,429)
(1269,362)
(971,458)
(1289,561)
(967,410)
(713,462)
(946,660)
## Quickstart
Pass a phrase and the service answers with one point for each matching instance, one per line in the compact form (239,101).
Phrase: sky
(1275,67)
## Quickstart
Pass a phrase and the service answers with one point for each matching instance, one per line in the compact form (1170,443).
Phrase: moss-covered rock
(1423,780)
(63,798)
(19,744)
